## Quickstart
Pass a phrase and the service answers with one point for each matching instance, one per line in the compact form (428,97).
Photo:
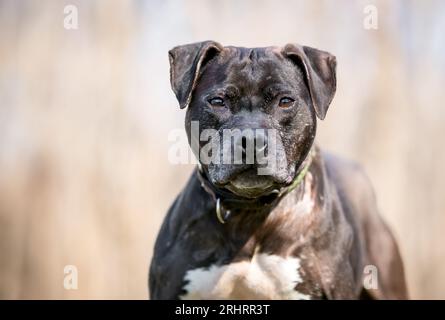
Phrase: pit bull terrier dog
(306,230)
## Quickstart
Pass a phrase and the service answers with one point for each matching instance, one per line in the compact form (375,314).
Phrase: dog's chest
(263,277)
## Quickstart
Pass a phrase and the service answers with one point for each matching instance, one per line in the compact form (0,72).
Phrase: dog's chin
(250,185)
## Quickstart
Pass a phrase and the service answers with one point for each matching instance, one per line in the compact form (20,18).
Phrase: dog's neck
(275,228)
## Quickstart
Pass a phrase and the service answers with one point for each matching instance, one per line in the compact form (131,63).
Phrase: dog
(309,228)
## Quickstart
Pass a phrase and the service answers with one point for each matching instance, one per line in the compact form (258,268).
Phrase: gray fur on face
(251,84)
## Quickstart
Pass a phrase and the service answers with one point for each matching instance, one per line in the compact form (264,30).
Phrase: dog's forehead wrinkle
(258,81)
(248,53)
(252,69)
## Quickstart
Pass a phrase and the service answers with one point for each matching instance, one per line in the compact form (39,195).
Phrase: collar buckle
(219,210)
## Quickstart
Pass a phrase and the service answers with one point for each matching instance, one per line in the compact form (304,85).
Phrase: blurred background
(85,116)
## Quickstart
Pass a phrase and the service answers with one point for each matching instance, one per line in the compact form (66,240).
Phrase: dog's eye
(216,102)
(286,102)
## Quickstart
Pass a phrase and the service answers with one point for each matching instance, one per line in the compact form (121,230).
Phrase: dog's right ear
(319,68)
(186,62)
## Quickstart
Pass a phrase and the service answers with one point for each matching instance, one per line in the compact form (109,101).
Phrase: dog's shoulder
(354,188)
(176,245)
(349,177)
(381,250)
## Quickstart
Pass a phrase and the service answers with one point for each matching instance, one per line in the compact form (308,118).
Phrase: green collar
(300,176)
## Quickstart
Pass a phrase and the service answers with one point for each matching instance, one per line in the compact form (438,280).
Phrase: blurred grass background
(85,115)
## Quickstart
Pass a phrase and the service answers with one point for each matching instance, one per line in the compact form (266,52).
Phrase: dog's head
(262,92)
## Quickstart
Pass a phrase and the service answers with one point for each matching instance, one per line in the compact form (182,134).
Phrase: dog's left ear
(186,62)
(319,68)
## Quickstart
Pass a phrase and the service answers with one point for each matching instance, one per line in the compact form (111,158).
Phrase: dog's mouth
(251,185)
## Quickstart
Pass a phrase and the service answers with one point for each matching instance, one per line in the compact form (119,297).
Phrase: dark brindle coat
(312,243)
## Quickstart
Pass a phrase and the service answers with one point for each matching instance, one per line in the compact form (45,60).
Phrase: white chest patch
(264,277)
